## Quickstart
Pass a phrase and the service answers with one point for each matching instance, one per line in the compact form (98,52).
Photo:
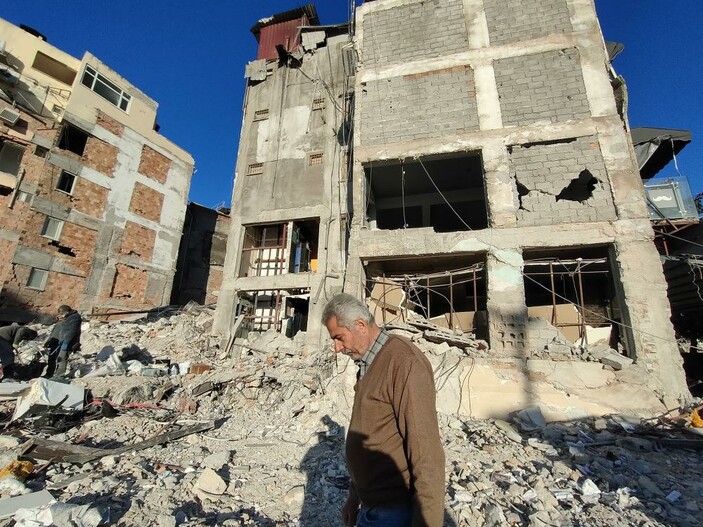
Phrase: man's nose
(337,346)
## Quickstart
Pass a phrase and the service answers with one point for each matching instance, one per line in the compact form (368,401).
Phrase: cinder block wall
(524,83)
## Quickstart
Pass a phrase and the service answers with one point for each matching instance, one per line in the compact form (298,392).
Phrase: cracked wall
(560,182)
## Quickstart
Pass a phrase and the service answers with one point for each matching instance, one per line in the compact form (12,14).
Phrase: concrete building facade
(490,186)
(93,197)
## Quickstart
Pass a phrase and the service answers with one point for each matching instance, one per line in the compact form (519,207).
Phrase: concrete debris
(257,439)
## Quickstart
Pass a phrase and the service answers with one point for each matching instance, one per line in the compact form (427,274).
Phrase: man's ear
(361,325)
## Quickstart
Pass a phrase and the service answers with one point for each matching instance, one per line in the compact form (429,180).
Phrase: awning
(656,147)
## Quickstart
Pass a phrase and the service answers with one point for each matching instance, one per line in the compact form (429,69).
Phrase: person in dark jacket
(10,337)
(64,338)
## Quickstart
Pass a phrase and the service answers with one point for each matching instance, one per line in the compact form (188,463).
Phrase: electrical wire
(441,194)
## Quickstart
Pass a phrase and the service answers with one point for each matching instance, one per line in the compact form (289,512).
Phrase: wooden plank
(68,453)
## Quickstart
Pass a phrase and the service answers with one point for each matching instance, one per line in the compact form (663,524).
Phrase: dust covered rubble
(275,456)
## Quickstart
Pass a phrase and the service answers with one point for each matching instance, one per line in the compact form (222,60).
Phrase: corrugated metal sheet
(285,34)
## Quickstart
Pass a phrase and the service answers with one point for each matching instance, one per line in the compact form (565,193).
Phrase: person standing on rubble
(10,337)
(393,448)
(64,338)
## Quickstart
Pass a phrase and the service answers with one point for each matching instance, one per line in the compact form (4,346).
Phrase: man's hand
(350,510)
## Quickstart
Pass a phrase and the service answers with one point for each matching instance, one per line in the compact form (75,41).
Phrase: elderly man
(394,452)
(64,338)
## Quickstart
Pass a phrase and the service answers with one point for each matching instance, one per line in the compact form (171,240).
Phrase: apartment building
(472,168)
(92,197)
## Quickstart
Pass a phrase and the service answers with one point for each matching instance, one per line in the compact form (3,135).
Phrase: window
(66,182)
(37,278)
(315,159)
(24,196)
(41,151)
(255,169)
(73,139)
(10,158)
(52,228)
(260,115)
(106,89)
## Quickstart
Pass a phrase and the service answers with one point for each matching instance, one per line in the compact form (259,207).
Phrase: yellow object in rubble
(19,469)
(696,420)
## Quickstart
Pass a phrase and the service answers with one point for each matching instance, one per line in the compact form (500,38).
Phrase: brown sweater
(394,452)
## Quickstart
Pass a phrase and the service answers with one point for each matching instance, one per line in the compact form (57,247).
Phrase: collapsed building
(468,167)
(93,197)
(201,256)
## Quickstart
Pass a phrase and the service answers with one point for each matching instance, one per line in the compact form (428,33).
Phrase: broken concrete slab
(9,506)
(45,393)
(617,361)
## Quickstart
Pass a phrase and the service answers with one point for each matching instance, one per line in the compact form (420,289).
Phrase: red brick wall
(110,124)
(59,289)
(138,240)
(79,240)
(214,283)
(146,202)
(154,165)
(89,198)
(129,283)
(100,156)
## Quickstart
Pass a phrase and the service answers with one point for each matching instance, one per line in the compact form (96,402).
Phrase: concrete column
(227,300)
(500,188)
(507,313)
(648,313)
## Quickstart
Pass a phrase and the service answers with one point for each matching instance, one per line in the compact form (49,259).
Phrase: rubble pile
(175,430)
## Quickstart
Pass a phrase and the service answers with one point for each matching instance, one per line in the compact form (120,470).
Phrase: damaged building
(467,166)
(93,197)
(201,256)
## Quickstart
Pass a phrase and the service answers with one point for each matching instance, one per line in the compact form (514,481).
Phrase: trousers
(384,517)
(58,361)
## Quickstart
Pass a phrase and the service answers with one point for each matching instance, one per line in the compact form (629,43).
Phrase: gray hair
(347,309)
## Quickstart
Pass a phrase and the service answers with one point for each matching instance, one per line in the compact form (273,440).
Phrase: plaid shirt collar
(365,362)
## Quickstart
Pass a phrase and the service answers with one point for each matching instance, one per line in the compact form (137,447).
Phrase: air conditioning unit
(9,115)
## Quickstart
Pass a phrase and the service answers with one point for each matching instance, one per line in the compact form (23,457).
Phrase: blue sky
(190,57)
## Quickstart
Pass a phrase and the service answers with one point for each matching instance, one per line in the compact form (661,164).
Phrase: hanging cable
(442,195)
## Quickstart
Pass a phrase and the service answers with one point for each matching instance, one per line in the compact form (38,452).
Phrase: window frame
(43,280)
(95,78)
(47,221)
(73,182)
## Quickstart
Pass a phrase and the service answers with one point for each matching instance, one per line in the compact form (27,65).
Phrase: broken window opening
(304,246)
(446,193)
(263,252)
(54,68)
(284,311)
(266,250)
(66,182)
(10,159)
(449,292)
(573,291)
(73,139)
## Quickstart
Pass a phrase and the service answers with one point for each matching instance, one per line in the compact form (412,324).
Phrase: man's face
(353,342)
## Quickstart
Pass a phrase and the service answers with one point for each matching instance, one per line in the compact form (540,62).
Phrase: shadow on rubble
(327,487)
